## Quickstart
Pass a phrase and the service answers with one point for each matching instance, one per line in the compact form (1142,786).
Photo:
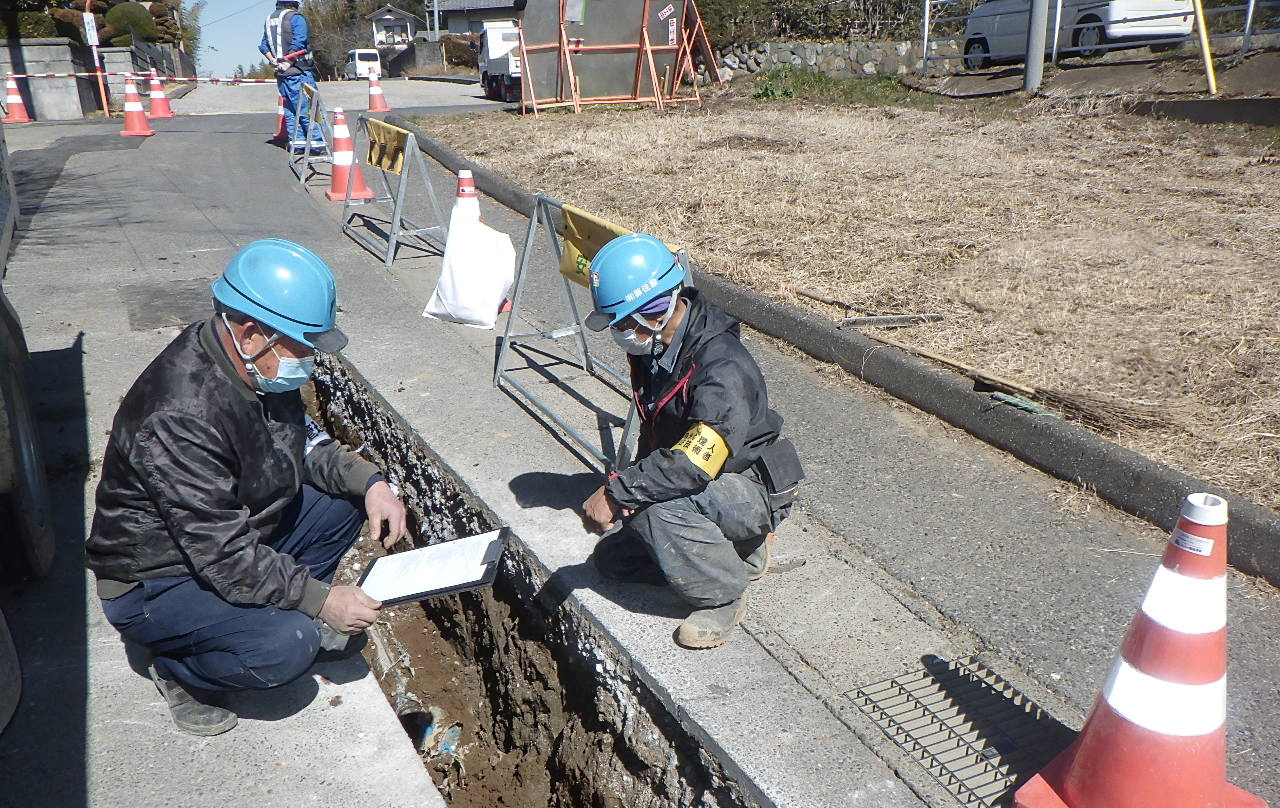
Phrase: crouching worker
(220,518)
(712,479)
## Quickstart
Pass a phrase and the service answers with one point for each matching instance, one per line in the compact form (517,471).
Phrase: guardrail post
(1248,27)
(1033,65)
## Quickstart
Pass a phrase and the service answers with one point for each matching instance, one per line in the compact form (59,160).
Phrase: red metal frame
(663,91)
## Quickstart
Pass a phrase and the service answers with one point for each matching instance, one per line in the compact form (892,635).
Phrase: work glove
(283,65)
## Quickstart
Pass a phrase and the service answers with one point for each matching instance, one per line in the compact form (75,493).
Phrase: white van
(996,31)
(361,64)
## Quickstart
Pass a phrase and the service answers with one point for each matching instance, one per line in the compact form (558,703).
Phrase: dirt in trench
(442,706)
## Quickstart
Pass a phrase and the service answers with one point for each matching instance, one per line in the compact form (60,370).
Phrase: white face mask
(627,341)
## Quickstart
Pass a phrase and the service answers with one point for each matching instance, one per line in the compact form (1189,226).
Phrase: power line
(229,16)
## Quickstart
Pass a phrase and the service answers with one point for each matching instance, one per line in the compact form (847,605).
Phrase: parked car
(26,543)
(361,64)
(996,31)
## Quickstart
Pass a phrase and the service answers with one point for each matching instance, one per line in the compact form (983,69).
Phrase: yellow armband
(704,447)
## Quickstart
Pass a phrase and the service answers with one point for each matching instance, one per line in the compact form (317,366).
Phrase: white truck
(498,58)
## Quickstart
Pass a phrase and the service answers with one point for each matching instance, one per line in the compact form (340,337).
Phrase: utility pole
(1033,63)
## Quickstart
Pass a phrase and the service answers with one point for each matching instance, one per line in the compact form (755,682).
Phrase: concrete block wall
(52,99)
(845,59)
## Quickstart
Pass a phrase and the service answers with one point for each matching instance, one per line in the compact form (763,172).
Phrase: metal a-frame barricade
(394,152)
(584,234)
(303,162)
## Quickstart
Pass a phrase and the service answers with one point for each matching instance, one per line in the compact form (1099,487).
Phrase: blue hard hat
(285,287)
(627,273)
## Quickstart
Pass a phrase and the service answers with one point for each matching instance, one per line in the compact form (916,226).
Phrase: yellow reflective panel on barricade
(584,235)
(704,447)
(386,145)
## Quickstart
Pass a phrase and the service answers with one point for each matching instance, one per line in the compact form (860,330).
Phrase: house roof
(469,5)
(397,12)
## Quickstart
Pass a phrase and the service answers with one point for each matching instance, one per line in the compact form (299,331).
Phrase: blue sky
(230,31)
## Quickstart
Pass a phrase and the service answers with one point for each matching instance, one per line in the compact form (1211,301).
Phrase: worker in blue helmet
(286,44)
(223,509)
(713,478)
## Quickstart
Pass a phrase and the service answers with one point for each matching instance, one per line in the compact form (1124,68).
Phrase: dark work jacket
(196,474)
(714,381)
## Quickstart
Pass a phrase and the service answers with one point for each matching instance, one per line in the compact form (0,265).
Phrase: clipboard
(435,570)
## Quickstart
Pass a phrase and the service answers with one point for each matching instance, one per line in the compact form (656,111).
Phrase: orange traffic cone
(344,164)
(135,120)
(13,100)
(466,205)
(281,132)
(377,101)
(1155,736)
(159,101)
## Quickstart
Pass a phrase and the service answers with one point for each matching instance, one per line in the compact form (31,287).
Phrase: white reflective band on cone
(1205,509)
(133,106)
(1164,707)
(343,158)
(1186,605)
(341,130)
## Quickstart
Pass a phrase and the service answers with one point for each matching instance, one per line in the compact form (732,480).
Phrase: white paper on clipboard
(439,569)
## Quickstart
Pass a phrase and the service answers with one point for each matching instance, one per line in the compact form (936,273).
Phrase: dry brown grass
(1071,248)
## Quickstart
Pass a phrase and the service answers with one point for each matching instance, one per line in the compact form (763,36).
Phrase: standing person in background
(285,41)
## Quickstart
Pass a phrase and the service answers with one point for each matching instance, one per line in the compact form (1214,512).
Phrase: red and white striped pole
(1156,735)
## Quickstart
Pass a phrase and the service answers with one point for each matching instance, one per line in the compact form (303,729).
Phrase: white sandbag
(479,268)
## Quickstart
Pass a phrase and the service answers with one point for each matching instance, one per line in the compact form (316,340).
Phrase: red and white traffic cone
(1156,735)
(281,132)
(377,101)
(135,119)
(466,204)
(159,101)
(344,164)
(13,100)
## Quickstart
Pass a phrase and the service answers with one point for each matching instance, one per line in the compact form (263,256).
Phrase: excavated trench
(511,694)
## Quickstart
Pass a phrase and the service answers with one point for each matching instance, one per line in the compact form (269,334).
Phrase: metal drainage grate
(973,731)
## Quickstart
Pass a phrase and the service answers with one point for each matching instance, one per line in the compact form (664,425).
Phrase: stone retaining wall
(838,59)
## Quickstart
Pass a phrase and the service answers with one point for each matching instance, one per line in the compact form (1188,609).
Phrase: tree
(337,26)
(189,17)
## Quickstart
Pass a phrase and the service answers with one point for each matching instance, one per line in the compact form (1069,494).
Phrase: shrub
(27,25)
(135,20)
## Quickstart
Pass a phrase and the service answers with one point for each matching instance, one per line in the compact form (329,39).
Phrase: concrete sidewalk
(118,241)
(913,539)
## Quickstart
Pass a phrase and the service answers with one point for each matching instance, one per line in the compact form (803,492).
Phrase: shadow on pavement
(35,171)
(46,741)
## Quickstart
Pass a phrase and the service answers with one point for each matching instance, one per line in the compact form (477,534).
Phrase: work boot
(190,715)
(758,560)
(708,628)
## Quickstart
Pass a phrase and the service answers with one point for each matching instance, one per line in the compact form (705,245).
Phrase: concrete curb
(1128,480)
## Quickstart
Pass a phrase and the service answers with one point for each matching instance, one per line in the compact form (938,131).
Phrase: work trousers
(699,541)
(203,641)
(296,119)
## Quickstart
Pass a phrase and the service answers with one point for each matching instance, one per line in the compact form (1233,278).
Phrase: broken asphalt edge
(1128,480)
